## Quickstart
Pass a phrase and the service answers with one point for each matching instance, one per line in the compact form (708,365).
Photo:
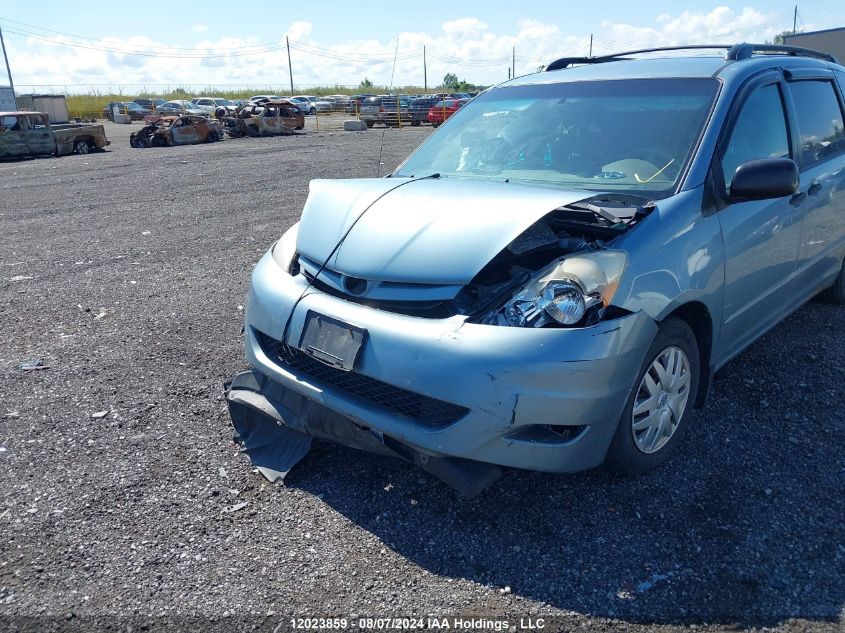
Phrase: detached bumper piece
(275,426)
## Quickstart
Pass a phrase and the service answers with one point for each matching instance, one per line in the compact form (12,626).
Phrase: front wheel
(659,407)
(312,111)
(212,137)
(81,147)
(434,124)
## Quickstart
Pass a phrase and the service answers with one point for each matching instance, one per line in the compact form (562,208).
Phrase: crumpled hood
(434,231)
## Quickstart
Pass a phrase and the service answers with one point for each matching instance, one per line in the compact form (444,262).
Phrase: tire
(82,147)
(415,123)
(370,123)
(434,124)
(212,137)
(632,450)
(312,111)
(836,293)
(252,130)
(159,141)
(298,127)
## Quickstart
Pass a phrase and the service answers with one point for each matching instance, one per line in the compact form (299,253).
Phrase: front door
(819,118)
(185,131)
(38,134)
(13,141)
(270,121)
(762,238)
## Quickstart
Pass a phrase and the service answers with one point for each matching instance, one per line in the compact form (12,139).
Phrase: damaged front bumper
(456,398)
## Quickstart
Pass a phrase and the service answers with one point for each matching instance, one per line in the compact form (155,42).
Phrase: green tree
(366,83)
(779,37)
(450,80)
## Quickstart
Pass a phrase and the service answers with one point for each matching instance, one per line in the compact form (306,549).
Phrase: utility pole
(425,73)
(8,70)
(290,68)
(591,45)
(509,73)
(795,20)
(513,62)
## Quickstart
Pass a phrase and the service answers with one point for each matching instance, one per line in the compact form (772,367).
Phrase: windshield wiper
(641,208)
(597,210)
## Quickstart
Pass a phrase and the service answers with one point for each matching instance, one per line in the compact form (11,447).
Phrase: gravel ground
(121,494)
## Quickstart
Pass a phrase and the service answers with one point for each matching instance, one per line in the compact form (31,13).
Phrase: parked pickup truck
(30,134)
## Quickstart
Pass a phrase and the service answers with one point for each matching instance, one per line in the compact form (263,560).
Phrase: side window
(760,132)
(37,122)
(10,123)
(819,117)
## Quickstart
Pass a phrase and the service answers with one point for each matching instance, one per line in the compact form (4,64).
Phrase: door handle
(814,189)
(797,199)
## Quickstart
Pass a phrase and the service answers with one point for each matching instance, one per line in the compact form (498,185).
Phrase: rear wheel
(370,123)
(81,147)
(212,137)
(434,124)
(312,111)
(415,123)
(659,407)
(836,293)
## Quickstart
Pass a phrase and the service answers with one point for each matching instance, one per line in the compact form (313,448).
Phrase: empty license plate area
(332,342)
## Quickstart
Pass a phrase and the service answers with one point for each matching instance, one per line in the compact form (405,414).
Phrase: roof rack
(735,52)
(744,51)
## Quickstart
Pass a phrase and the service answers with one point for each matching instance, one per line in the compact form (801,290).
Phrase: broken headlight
(285,249)
(572,290)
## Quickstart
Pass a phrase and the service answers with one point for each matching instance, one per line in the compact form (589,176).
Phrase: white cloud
(722,25)
(300,31)
(468,26)
(199,28)
(465,46)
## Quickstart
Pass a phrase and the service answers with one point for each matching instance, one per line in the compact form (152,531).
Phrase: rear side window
(9,123)
(760,131)
(819,118)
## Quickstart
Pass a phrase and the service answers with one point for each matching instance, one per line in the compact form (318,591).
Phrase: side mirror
(765,178)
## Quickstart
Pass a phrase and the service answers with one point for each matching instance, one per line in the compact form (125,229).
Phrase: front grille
(417,407)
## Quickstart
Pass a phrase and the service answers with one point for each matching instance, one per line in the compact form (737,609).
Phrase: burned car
(177,130)
(552,278)
(270,118)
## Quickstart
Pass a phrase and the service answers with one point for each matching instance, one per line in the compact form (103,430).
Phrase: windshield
(623,135)
(223,102)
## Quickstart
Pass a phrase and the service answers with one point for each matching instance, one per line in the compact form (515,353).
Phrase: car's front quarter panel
(675,256)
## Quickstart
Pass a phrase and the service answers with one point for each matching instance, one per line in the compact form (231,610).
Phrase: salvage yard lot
(127,271)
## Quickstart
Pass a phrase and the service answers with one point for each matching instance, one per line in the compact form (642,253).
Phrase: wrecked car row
(272,118)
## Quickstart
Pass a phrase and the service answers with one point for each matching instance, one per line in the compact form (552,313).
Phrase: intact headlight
(285,249)
(565,292)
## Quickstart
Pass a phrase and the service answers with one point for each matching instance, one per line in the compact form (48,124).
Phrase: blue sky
(215,43)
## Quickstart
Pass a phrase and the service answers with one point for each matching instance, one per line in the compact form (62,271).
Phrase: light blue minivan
(552,278)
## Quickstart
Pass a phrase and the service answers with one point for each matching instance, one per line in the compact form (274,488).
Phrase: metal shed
(54,105)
